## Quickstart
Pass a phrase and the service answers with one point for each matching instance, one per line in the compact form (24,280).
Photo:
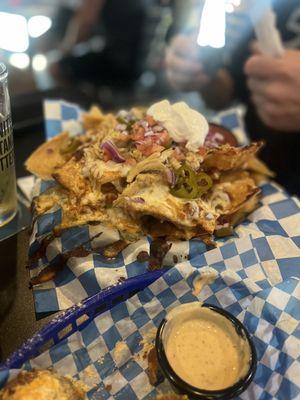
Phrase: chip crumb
(100,360)
(205,278)
(78,383)
(119,351)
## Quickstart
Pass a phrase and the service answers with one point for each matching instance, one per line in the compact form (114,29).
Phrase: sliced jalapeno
(204,182)
(189,184)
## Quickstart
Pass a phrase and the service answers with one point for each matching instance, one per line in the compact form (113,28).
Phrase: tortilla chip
(70,177)
(149,194)
(226,157)
(95,119)
(47,157)
(245,208)
(56,196)
(259,167)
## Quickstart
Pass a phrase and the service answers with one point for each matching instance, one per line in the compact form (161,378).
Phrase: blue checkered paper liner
(253,281)
(61,116)
(83,277)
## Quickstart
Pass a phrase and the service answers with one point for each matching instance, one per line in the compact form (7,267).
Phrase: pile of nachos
(162,171)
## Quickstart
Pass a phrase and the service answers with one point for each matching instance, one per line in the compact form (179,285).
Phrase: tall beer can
(8,192)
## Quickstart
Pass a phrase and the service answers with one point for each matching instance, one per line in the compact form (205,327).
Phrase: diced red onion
(171,178)
(121,127)
(149,133)
(113,151)
(158,128)
(144,124)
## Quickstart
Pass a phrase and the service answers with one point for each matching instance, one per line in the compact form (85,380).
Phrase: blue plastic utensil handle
(90,307)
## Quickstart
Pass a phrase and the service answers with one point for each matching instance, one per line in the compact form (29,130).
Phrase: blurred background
(110,51)
(113,52)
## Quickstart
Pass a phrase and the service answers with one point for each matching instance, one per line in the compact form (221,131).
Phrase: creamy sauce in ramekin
(204,349)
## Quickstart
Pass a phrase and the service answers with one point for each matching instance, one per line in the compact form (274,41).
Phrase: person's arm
(82,24)
(185,72)
(274,84)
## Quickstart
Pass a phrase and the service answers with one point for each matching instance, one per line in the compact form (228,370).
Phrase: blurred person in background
(270,87)
(120,23)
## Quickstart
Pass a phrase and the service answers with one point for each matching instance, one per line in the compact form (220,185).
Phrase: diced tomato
(163,138)
(150,143)
(202,151)
(151,121)
(130,161)
(149,148)
(138,132)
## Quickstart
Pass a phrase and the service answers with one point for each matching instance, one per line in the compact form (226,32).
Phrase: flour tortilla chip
(47,157)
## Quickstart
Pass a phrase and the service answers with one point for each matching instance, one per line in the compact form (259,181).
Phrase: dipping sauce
(204,349)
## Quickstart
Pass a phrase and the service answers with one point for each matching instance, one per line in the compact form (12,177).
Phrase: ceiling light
(212,24)
(19,60)
(39,62)
(38,25)
(13,32)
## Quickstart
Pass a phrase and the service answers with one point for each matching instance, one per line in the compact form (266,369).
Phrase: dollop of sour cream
(182,122)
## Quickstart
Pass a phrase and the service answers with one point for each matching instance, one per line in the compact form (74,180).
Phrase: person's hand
(183,68)
(274,84)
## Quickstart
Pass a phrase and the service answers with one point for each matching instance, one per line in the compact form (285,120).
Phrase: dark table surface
(17,316)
